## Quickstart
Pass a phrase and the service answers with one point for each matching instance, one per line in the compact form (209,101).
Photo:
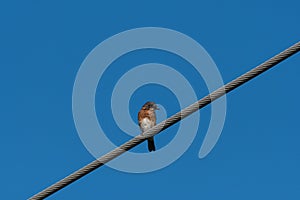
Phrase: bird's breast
(146,124)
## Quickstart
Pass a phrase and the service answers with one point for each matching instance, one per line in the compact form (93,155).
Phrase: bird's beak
(157,108)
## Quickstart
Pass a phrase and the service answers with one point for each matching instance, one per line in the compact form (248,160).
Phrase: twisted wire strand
(168,122)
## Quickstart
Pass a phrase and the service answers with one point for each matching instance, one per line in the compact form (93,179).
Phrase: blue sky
(42,46)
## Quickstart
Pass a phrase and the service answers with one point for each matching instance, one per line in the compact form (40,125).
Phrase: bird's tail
(151,145)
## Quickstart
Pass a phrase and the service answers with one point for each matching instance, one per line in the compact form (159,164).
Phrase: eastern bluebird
(147,119)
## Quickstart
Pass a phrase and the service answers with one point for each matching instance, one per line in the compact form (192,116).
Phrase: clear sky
(42,46)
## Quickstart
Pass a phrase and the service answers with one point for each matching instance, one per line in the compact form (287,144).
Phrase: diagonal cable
(168,122)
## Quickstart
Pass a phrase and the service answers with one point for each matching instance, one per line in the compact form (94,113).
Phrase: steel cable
(168,122)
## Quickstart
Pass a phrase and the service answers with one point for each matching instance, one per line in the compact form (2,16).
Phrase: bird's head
(150,106)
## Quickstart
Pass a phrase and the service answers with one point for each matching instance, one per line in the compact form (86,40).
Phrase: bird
(147,119)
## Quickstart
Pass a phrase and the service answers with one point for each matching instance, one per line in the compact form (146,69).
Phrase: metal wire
(168,122)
